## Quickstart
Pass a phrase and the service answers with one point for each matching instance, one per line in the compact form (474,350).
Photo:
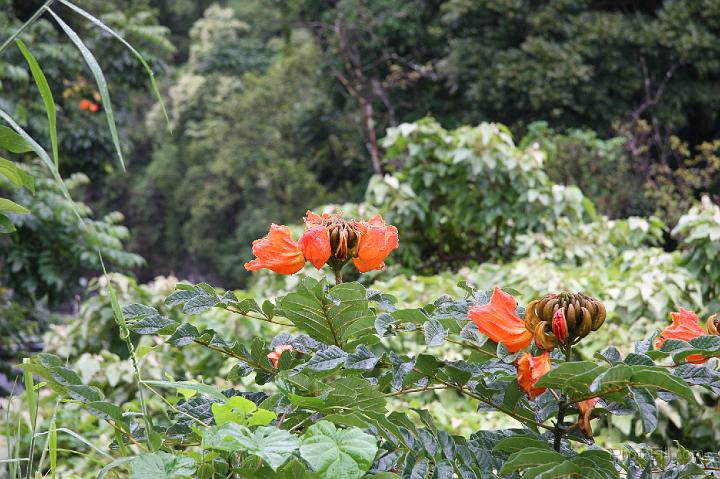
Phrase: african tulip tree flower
(586,407)
(499,321)
(274,356)
(530,369)
(328,239)
(684,327)
(277,252)
(376,242)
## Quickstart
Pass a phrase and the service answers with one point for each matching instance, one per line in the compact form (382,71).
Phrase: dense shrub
(466,194)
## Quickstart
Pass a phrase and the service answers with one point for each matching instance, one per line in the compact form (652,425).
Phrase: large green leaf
(338,453)
(99,79)
(275,446)
(573,378)
(47,97)
(529,457)
(162,465)
(340,317)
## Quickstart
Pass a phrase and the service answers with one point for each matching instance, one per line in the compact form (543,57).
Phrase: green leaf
(185,334)
(549,471)
(341,317)
(146,320)
(644,402)
(47,97)
(8,206)
(531,456)
(572,378)
(11,171)
(105,410)
(6,226)
(193,386)
(242,411)
(435,333)
(362,359)
(655,377)
(327,359)
(12,142)
(42,154)
(519,442)
(338,453)
(137,54)
(99,79)
(123,461)
(161,465)
(274,446)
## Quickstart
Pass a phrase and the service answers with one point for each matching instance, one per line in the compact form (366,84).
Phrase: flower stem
(338,275)
(559,431)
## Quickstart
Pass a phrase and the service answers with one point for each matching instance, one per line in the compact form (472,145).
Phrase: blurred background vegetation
(538,145)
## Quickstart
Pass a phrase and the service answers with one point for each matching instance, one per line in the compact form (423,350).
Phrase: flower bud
(713,324)
(566,318)
(559,325)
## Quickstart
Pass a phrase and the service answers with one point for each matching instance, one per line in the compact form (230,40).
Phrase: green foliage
(699,233)
(337,422)
(211,188)
(584,64)
(601,168)
(439,173)
(50,250)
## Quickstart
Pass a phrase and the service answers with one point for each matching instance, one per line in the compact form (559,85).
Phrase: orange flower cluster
(328,239)
(499,321)
(88,105)
(685,327)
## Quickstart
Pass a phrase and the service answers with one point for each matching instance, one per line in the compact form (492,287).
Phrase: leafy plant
(439,173)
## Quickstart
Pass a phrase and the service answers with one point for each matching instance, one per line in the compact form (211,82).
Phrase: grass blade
(47,97)
(22,28)
(99,79)
(137,54)
(42,154)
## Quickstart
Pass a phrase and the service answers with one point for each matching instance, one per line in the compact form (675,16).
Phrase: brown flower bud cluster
(563,319)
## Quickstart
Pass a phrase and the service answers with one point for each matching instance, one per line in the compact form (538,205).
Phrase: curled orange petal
(315,245)
(274,356)
(276,252)
(499,321)
(586,407)
(684,327)
(530,369)
(376,242)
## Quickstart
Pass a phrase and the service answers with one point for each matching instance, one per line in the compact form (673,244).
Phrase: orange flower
(684,327)
(315,242)
(277,252)
(376,242)
(84,104)
(94,107)
(586,407)
(499,321)
(275,355)
(530,369)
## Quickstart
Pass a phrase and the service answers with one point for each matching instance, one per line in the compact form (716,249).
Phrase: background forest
(539,145)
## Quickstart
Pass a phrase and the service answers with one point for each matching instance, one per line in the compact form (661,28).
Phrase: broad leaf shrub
(323,398)
(466,194)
